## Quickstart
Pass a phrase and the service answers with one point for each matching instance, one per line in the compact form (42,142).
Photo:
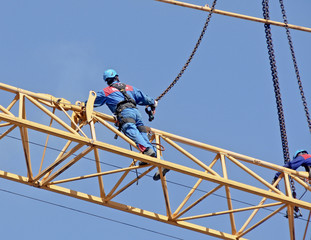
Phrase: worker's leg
(143,131)
(307,166)
(131,130)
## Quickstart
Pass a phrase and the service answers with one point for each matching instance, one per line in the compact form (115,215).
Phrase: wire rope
(90,214)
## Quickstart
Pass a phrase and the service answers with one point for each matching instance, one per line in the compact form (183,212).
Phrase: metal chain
(290,42)
(192,54)
(295,65)
(265,9)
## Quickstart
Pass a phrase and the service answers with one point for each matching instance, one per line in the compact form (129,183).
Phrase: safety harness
(128,102)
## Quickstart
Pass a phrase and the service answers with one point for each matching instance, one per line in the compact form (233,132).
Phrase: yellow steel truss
(206,8)
(214,170)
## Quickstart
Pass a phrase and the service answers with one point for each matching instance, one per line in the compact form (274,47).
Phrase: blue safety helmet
(110,73)
(300,151)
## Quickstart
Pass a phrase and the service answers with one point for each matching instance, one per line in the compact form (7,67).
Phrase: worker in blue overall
(300,158)
(122,99)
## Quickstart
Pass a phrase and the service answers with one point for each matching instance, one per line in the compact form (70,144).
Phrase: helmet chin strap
(112,80)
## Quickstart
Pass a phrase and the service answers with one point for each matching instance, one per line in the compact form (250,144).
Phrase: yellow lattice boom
(81,133)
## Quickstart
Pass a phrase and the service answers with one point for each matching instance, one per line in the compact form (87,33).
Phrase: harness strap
(120,121)
(123,105)
(128,102)
(123,120)
(142,129)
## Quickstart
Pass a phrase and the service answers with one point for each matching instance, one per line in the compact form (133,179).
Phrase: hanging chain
(192,54)
(290,42)
(295,65)
(265,9)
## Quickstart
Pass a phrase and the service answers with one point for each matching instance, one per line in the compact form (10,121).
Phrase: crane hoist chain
(192,54)
(303,98)
(265,8)
(265,4)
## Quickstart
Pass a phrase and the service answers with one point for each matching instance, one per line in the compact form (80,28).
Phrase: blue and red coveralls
(112,96)
(302,160)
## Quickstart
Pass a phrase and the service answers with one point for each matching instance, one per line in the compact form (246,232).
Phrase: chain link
(295,65)
(192,54)
(290,42)
(275,79)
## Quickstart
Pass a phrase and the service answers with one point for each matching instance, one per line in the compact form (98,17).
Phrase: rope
(192,54)
(90,214)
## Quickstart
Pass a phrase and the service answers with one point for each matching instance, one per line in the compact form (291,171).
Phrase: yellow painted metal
(66,166)
(163,163)
(260,222)
(24,135)
(96,175)
(198,201)
(235,15)
(117,132)
(237,156)
(58,161)
(89,119)
(128,185)
(290,208)
(252,173)
(192,190)
(163,182)
(60,155)
(197,161)
(228,194)
(122,207)
(203,171)
(45,110)
(6,111)
(305,234)
(7,131)
(90,106)
(256,210)
(46,143)
(229,211)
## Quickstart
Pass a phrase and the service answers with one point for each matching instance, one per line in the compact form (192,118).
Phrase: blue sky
(225,98)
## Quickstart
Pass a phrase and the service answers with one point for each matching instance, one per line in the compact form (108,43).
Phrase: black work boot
(148,152)
(308,169)
(157,175)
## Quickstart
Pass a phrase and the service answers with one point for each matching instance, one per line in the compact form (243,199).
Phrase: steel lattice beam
(78,143)
(206,8)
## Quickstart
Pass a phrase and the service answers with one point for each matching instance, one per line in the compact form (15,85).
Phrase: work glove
(155,104)
(150,110)
(153,107)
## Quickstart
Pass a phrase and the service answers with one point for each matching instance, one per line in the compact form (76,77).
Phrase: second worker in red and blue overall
(300,158)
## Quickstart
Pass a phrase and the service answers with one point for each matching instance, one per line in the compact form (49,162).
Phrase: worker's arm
(100,99)
(142,99)
(287,165)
